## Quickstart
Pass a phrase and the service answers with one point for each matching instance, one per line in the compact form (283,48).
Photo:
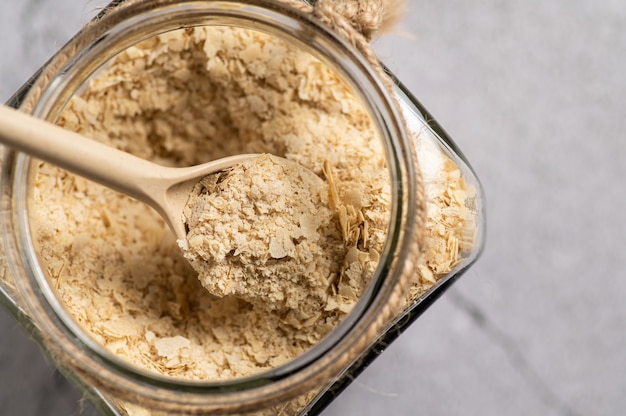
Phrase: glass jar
(422,163)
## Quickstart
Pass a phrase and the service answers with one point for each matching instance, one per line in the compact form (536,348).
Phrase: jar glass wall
(347,346)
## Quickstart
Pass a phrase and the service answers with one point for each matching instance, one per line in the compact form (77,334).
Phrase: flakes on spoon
(264,231)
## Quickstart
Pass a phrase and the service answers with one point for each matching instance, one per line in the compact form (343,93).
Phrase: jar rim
(124,25)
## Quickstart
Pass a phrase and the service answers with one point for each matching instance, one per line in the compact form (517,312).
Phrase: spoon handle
(71,151)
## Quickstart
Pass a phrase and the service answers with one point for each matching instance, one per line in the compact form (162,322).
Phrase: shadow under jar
(99,280)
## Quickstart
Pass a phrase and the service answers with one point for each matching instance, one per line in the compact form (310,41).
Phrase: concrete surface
(534,93)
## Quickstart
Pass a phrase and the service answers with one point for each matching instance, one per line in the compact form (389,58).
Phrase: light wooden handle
(71,151)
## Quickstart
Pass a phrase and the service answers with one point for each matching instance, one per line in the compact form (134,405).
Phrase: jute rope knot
(366,16)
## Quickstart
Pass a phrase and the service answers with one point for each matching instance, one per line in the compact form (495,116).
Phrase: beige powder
(119,271)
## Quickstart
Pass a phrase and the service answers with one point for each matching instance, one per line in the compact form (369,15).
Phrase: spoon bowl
(166,189)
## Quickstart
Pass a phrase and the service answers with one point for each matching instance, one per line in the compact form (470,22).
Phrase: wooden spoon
(165,189)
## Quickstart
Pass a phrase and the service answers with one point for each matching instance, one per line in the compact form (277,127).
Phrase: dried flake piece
(171,347)
(119,328)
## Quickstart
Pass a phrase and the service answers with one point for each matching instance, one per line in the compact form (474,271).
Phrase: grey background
(534,94)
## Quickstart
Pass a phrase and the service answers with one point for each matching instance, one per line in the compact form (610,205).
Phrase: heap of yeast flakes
(184,98)
(264,231)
